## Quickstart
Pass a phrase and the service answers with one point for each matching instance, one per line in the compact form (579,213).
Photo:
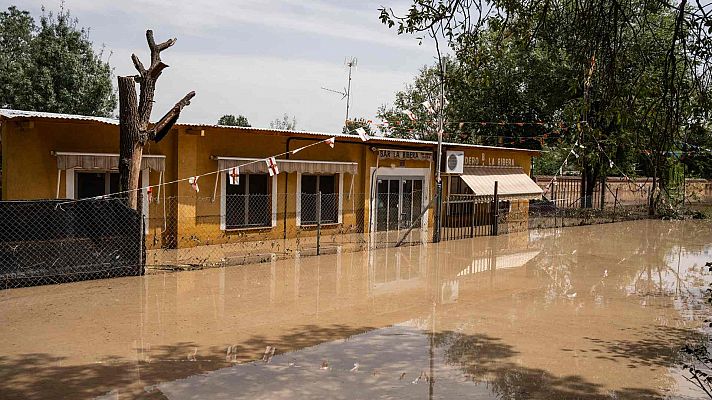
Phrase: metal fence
(610,192)
(45,242)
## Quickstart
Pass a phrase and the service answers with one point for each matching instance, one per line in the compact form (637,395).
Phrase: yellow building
(366,187)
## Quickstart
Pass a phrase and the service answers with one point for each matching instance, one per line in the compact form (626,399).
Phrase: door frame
(412,173)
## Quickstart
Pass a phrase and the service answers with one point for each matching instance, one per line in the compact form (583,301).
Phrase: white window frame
(339,213)
(71,192)
(223,202)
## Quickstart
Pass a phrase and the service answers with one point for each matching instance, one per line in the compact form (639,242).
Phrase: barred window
(249,204)
(311,186)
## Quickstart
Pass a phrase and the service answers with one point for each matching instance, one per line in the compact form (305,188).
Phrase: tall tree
(52,67)
(231,120)
(637,71)
(134,116)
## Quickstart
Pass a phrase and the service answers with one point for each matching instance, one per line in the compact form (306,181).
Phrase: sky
(257,58)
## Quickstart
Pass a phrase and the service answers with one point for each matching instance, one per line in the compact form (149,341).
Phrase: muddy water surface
(588,312)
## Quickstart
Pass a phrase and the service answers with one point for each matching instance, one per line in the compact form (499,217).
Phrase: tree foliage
(353,124)
(285,123)
(52,66)
(627,80)
(231,120)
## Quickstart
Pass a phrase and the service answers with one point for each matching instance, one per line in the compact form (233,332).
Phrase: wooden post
(318,223)
(495,223)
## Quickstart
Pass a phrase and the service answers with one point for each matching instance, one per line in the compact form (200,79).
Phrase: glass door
(399,202)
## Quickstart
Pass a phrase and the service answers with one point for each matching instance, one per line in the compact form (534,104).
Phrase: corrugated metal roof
(511,182)
(10,114)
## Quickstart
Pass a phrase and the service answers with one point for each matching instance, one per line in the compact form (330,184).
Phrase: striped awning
(513,183)
(258,166)
(105,161)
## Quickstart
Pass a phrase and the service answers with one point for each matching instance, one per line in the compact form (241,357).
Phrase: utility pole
(438,165)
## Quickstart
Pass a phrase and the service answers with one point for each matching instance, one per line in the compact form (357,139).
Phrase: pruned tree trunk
(131,149)
(134,117)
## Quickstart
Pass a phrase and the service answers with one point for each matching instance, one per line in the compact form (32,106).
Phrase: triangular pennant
(428,107)
(410,115)
(331,141)
(362,134)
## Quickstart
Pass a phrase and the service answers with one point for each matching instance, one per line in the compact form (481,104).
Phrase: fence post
(318,222)
(495,223)
(474,207)
(603,191)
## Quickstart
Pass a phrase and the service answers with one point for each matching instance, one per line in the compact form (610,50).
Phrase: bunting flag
(461,124)
(272,166)
(331,141)
(410,115)
(610,164)
(193,180)
(234,176)
(574,153)
(149,194)
(362,134)
(428,107)
(385,124)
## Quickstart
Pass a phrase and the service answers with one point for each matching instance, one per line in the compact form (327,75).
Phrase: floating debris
(191,357)
(269,353)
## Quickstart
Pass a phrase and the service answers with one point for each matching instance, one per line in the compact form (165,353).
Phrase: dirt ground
(591,312)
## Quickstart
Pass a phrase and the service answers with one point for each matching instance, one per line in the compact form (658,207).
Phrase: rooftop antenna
(350,62)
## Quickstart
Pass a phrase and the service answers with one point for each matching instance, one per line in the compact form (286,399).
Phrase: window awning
(303,166)
(513,183)
(105,161)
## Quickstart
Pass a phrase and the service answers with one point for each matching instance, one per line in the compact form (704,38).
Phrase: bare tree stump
(134,117)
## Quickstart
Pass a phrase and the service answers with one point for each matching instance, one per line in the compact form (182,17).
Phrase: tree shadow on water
(43,375)
(488,360)
(481,358)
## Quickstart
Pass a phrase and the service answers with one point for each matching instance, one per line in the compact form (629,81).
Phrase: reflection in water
(587,312)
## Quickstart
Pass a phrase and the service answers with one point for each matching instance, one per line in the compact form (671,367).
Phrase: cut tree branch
(138,64)
(164,125)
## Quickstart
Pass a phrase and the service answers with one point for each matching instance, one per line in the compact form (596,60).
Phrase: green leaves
(231,120)
(52,67)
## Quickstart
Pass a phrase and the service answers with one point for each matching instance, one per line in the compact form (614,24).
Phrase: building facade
(355,188)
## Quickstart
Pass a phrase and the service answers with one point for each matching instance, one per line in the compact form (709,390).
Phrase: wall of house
(184,218)
(199,215)
(31,170)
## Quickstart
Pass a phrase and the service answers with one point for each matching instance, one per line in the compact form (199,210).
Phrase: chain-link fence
(196,231)
(45,242)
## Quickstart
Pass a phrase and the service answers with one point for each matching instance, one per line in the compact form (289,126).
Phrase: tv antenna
(351,63)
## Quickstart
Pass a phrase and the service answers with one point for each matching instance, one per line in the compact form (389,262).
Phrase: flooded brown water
(591,312)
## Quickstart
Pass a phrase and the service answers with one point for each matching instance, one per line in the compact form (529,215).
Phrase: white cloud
(335,19)
(263,88)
